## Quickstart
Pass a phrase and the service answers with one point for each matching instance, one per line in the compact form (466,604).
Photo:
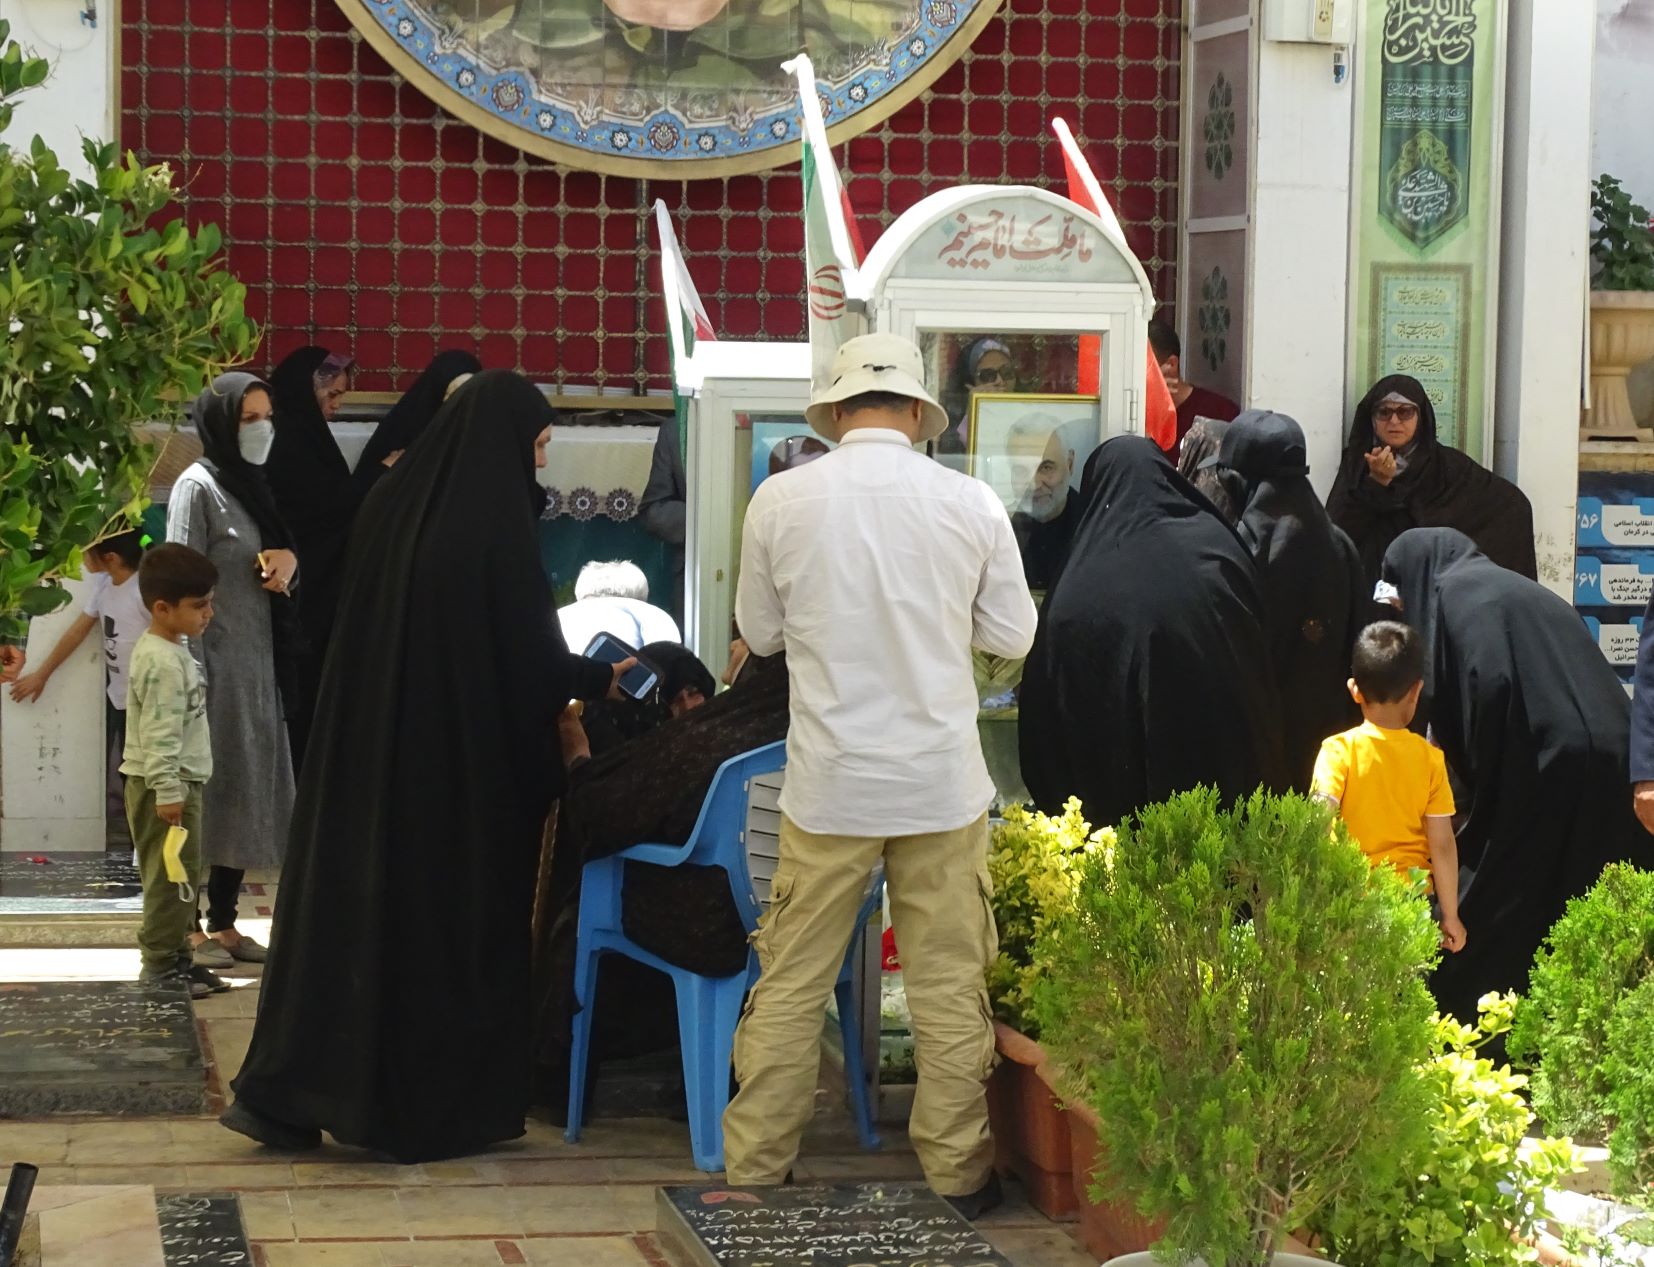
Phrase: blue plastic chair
(708,1007)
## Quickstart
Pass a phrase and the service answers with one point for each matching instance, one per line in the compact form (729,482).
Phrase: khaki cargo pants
(939,890)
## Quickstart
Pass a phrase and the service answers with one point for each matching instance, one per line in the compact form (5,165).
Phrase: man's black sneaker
(266,1130)
(206,976)
(973,1205)
(175,977)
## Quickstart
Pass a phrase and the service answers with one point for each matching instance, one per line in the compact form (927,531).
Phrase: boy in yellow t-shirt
(1389,784)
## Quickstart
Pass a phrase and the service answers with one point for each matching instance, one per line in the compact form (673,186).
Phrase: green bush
(1579,1030)
(114,318)
(1034,863)
(1622,244)
(1630,1069)
(1464,1195)
(1239,997)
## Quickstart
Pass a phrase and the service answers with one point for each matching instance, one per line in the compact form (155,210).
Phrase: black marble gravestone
(69,884)
(98,1047)
(826,1225)
(202,1230)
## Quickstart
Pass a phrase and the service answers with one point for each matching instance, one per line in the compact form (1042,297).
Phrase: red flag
(1159,410)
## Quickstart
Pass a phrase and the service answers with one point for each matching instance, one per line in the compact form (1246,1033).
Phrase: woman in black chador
(1150,673)
(395,1011)
(1315,597)
(1534,725)
(1396,475)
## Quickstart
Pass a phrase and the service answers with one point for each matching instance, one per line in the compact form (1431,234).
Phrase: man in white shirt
(877,570)
(613,598)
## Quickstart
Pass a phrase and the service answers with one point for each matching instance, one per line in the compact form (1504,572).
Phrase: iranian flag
(832,244)
(1159,410)
(686,318)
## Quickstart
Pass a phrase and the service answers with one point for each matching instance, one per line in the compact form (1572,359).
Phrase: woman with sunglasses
(1396,475)
(986,365)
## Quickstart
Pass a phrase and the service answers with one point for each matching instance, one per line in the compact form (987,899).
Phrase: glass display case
(746,417)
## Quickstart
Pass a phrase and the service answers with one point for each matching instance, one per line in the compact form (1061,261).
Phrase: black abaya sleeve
(1642,703)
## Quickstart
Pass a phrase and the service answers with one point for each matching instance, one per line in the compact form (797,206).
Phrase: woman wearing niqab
(1150,672)
(1534,725)
(1315,599)
(395,1008)
(1219,485)
(1430,485)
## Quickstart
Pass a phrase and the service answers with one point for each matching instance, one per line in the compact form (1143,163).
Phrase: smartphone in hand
(637,681)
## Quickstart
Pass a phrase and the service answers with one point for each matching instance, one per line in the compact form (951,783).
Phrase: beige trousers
(939,904)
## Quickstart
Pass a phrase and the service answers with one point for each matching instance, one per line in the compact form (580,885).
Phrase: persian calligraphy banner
(1426,184)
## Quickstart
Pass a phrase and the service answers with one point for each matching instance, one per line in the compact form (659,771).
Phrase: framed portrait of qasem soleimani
(673,89)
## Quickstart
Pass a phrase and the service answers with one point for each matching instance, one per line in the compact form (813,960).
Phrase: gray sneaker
(248,951)
(211,954)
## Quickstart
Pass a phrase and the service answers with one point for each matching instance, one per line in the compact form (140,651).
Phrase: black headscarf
(1315,601)
(1220,486)
(611,723)
(216,416)
(317,497)
(1150,673)
(395,1007)
(1440,488)
(1534,724)
(409,417)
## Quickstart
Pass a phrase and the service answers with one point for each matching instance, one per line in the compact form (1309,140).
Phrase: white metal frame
(726,378)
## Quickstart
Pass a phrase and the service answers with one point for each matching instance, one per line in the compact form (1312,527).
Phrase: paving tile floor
(535,1201)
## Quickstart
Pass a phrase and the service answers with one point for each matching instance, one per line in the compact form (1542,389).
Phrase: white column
(1543,283)
(79,97)
(1297,297)
(52,750)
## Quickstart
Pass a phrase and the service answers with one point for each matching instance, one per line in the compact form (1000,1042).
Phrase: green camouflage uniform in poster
(709,45)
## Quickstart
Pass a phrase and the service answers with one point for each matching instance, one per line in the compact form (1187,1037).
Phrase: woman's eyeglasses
(993,374)
(1401,413)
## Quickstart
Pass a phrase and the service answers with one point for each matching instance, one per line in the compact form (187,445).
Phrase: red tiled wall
(361,215)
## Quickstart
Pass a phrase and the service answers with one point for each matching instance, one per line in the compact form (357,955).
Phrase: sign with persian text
(1012,239)
(824,1225)
(1427,189)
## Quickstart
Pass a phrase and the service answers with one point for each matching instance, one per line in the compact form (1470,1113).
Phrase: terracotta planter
(1030,1127)
(1622,338)
(1110,1227)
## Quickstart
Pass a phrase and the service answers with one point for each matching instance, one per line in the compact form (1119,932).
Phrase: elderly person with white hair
(613,598)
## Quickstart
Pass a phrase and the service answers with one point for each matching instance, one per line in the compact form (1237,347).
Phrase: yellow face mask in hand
(172,850)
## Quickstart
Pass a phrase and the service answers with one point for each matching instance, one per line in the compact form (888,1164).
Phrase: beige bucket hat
(876,363)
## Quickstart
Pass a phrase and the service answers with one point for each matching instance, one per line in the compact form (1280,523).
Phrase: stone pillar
(1543,268)
(1297,294)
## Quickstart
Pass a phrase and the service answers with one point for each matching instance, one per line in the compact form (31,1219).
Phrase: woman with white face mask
(222,506)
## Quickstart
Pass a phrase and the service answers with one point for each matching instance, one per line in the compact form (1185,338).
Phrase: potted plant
(115,316)
(1622,307)
(1586,1027)
(1468,1193)
(1034,864)
(1239,1000)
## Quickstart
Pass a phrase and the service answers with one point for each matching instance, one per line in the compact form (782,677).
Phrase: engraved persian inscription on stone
(98,1047)
(69,884)
(845,1225)
(202,1231)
